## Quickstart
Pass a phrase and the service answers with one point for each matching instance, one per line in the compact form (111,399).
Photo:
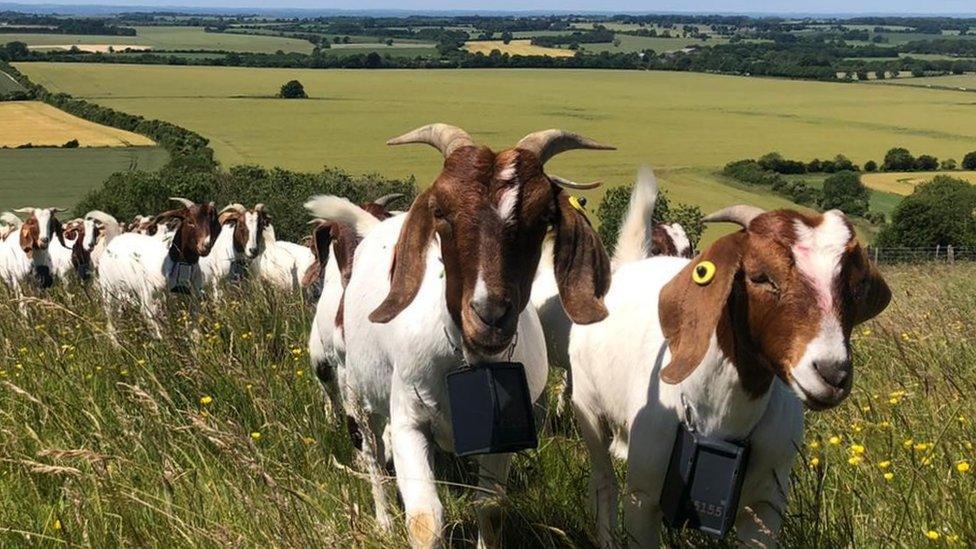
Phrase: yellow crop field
(904,183)
(37,123)
(515,47)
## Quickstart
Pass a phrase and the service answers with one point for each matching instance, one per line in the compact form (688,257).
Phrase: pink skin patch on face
(818,251)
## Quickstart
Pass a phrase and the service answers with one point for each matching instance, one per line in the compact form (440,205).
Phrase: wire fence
(937,254)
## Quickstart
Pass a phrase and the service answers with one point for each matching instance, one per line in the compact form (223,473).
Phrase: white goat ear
(693,303)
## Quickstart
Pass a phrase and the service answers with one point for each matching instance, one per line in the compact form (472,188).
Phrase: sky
(914,7)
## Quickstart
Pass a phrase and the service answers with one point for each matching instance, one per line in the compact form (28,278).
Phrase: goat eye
(438,212)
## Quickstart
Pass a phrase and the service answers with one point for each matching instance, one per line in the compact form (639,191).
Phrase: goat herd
(495,261)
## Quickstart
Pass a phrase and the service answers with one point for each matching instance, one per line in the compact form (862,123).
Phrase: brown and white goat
(42,241)
(718,343)
(453,278)
(135,267)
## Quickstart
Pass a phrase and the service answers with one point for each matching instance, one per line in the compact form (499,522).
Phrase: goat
(78,258)
(231,247)
(718,342)
(416,311)
(280,263)
(137,266)
(640,237)
(334,245)
(100,229)
(42,242)
(325,237)
(15,266)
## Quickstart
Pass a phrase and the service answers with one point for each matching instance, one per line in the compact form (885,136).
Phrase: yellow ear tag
(578,204)
(703,273)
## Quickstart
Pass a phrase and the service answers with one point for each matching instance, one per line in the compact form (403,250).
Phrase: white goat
(404,332)
(100,229)
(136,267)
(15,266)
(718,342)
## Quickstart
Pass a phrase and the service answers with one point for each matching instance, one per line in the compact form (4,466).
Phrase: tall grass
(217,434)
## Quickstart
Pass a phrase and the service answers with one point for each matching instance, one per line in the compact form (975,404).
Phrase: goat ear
(694,301)
(322,239)
(180,213)
(26,240)
(581,263)
(409,261)
(59,231)
(875,297)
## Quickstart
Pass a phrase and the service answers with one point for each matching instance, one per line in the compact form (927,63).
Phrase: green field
(8,84)
(959,82)
(216,435)
(172,38)
(640,43)
(60,177)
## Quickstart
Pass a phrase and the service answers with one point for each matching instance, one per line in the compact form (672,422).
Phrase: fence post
(937,252)
(952,255)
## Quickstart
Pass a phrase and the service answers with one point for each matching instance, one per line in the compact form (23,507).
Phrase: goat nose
(834,372)
(492,311)
(252,252)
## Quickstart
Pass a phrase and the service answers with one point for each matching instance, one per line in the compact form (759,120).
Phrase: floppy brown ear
(876,296)
(409,261)
(582,265)
(322,240)
(26,240)
(690,312)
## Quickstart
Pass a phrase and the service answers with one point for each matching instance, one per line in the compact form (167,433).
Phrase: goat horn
(548,143)
(183,201)
(443,137)
(260,207)
(741,214)
(24,210)
(235,207)
(572,185)
(101,217)
(385,200)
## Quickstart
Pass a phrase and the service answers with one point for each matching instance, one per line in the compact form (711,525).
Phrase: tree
(898,160)
(293,90)
(948,164)
(969,161)
(937,213)
(844,191)
(870,166)
(373,60)
(613,208)
(926,163)
(507,37)
(16,50)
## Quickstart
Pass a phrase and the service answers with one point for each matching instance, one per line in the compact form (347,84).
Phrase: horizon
(827,9)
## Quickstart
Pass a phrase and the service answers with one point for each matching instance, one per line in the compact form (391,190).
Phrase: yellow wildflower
(884,464)
(814,445)
(932,535)
(854,460)
(835,440)
(963,467)
(205,400)
(814,462)
(857,449)
(889,476)
(922,446)
(255,435)
(299,373)
(908,443)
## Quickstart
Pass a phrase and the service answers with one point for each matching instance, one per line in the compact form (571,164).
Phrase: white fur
(392,376)
(616,384)
(216,267)
(108,228)
(281,263)
(679,237)
(134,268)
(507,203)
(634,240)
(336,208)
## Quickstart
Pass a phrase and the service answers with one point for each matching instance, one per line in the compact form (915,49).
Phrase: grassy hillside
(668,119)
(60,177)
(216,435)
(172,38)
(8,84)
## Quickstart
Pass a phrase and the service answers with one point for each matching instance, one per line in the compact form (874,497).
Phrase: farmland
(172,38)
(903,183)
(39,124)
(515,47)
(217,435)
(8,84)
(687,125)
(60,177)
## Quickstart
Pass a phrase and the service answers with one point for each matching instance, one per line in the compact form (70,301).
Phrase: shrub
(948,164)
(73,144)
(775,162)
(898,160)
(750,171)
(969,161)
(870,166)
(614,206)
(937,213)
(876,218)
(845,192)
(293,90)
(926,163)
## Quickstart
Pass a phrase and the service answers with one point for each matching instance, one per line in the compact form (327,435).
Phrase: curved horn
(235,207)
(101,217)
(28,211)
(443,137)
(548,143)
(260,207)
(572,185)
(183,201)
(385,200)
(741,214)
